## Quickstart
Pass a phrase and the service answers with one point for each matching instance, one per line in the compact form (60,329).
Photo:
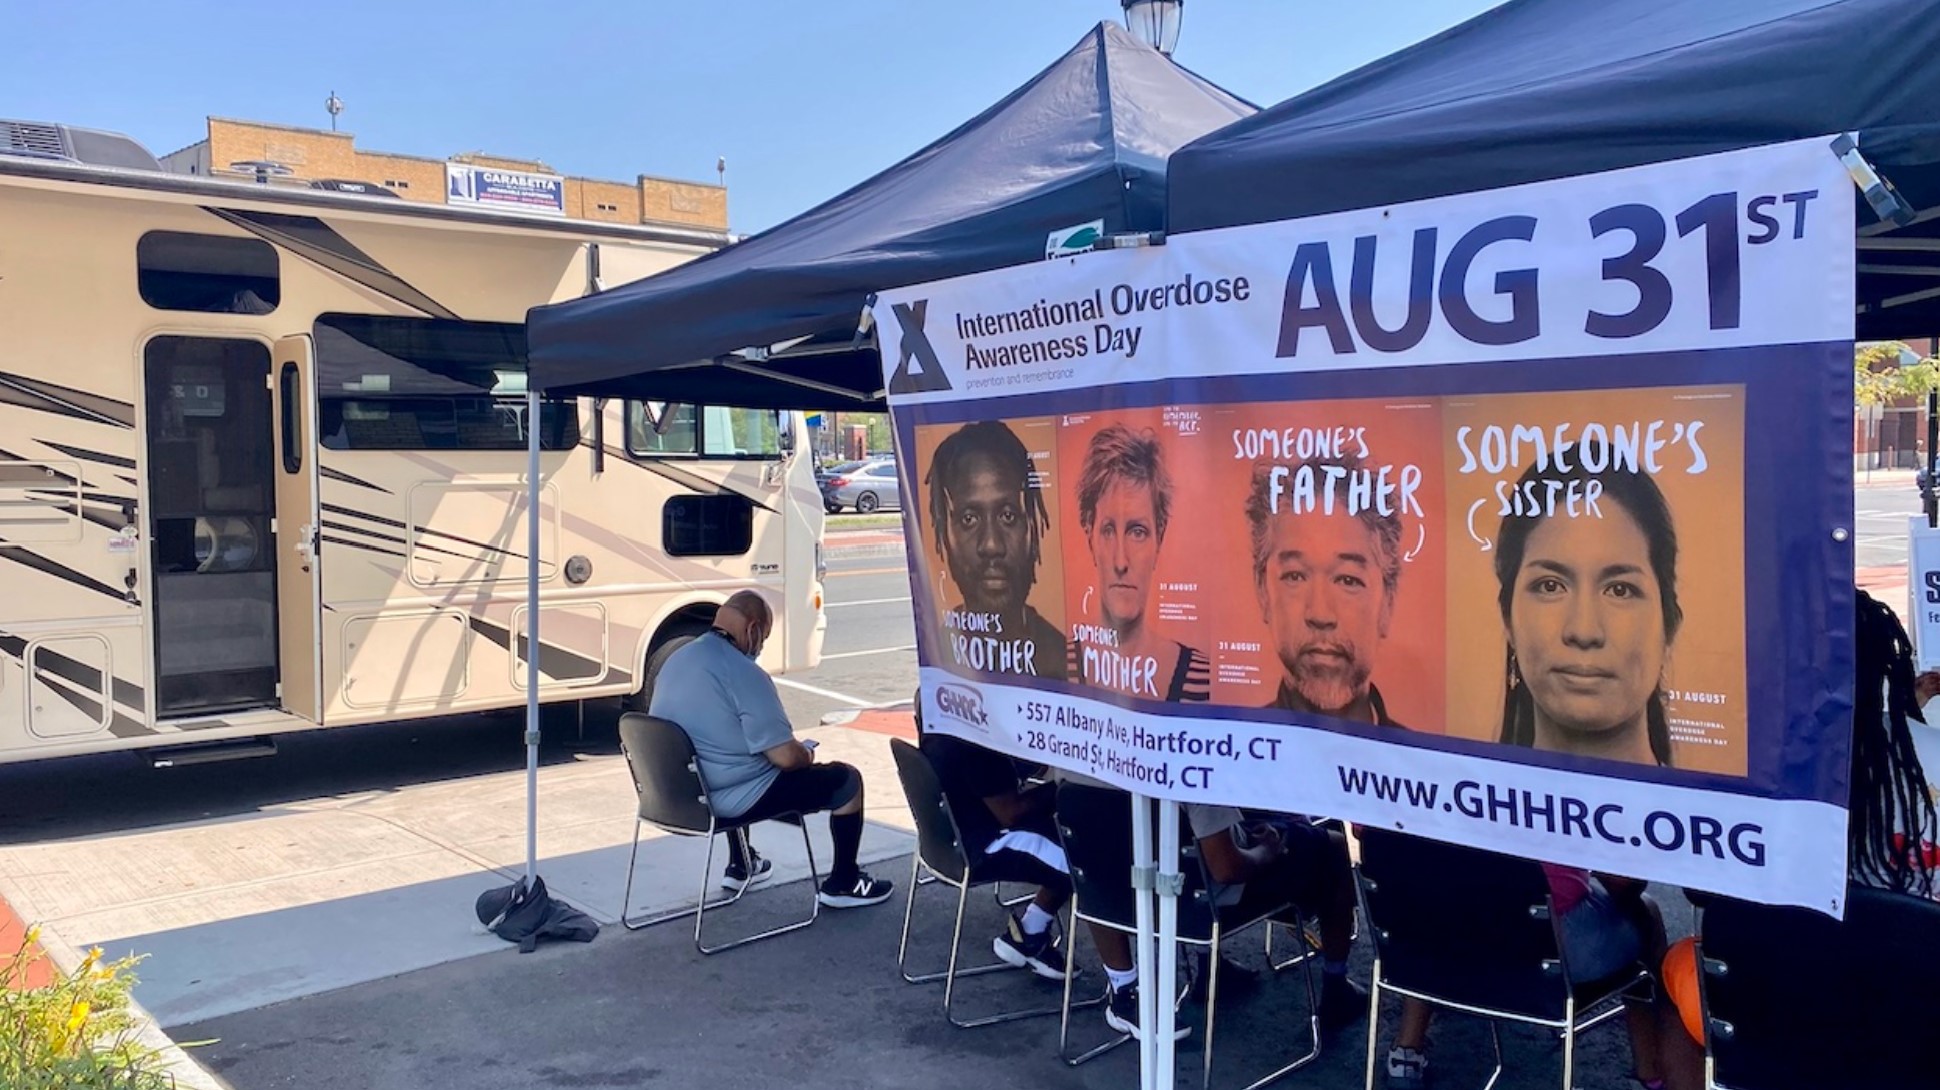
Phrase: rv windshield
(428,384)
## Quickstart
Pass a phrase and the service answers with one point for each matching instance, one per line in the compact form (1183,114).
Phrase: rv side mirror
(785,427)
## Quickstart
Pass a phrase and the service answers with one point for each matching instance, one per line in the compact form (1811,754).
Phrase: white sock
(1121,978)
(1036,920)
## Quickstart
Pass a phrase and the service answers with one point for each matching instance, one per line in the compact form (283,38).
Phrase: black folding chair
(1096,825)
(941,852)
(1471,931)
(1794,998)
(667,781)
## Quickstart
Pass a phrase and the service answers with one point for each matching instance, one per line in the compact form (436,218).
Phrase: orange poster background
(1040,437)
(1409,665)
(1179,602)
(1705,669)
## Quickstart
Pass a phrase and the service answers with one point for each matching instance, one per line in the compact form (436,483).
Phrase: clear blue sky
(804,98)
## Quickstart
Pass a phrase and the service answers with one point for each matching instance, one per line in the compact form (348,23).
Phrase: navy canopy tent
(1542,89)
(770,322)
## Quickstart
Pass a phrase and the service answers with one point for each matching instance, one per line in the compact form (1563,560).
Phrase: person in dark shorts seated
(1257,860)
(750,762)
(1012,832)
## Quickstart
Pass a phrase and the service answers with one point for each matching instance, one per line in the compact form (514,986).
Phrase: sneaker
(859,893)
(1342,1002)
(1121,1012)
(1407,1069)
(1041,953)
(738,877)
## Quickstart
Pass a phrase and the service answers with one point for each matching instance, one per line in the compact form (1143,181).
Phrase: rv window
(290,396)
(656,429)
(211,274)
(429,384)
(716,525)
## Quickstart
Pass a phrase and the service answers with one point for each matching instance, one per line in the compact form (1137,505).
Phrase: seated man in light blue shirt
(750,762)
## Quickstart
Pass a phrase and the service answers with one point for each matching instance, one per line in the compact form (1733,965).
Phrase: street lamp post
(1155,22)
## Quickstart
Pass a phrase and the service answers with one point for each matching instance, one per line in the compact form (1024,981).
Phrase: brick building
(235,148)
(1893,435)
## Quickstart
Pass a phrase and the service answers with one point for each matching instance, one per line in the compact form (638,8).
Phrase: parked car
(872,486)
(825,474)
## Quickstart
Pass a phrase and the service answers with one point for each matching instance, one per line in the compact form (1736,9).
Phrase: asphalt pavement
(1882,508)
(822,1008)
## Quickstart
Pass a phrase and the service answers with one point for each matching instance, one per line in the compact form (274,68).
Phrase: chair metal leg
(1569,1043)
(1373,1021)
(902,954)
(1064,1025)
(1212,1003)
(952,973)
(1313,1016)
(909,912)
(700,915)
(1495,1039)
(1306,950)
(997,891)
(626,896)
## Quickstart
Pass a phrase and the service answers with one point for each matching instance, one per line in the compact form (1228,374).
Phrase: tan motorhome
(262,467)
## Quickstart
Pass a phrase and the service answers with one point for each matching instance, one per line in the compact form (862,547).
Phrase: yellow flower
(77,1017)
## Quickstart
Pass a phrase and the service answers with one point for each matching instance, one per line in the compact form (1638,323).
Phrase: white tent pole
(1167,892)
(1144,956)
(531,635)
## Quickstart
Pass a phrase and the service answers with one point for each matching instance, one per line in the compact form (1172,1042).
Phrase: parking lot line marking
(871,651)
(865,602)
(869,571)
(830,694)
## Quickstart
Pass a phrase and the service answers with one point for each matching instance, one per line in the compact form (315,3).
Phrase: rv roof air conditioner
(42,140)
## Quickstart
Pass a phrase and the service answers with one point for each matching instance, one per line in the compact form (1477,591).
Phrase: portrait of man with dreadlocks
(989,519)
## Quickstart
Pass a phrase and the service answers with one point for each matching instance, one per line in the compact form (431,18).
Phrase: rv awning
(1541,89)
(771,321)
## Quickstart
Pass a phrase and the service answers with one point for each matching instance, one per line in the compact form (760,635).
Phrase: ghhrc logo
(926,376)
(964,705)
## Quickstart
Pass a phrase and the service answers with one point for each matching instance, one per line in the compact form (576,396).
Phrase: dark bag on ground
(526,914)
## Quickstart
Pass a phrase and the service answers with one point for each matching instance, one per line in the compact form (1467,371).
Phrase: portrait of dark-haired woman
(1587,585)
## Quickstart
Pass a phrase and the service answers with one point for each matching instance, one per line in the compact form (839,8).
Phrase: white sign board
(1923,590)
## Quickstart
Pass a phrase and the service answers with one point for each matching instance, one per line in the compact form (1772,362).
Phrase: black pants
(1308,876)
(811,790)
(1012,865)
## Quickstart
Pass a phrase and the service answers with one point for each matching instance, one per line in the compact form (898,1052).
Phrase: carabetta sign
(1509,518)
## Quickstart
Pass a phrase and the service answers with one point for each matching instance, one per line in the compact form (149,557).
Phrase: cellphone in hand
(809,744)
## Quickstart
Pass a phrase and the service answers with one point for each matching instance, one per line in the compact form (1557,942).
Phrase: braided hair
(1889,788)
(991,439)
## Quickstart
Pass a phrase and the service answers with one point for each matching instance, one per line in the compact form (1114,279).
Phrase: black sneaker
(1407,1069)
(1342,1002)
(1121,1012)
(1040,953)
(861,892)
(737,877)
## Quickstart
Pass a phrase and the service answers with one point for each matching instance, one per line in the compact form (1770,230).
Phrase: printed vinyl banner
(1513,518)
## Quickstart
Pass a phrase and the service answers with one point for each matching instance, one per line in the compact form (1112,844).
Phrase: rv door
(299,576)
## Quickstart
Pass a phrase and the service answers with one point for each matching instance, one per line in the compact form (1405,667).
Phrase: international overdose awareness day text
(1507,518)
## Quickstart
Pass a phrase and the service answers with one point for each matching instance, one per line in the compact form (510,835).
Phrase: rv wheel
(657,658)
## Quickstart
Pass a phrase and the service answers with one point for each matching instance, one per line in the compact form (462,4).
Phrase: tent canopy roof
(1084,140)
(1542,89)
